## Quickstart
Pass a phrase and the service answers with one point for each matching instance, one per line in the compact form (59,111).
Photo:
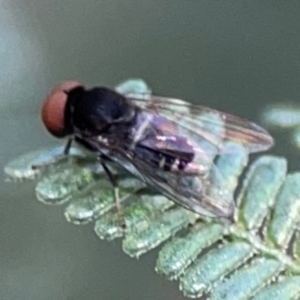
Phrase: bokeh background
(236,56)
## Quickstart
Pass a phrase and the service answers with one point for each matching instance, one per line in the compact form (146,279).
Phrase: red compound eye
(53,109)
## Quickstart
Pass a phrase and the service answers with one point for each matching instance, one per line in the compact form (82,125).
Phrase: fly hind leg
(113,181)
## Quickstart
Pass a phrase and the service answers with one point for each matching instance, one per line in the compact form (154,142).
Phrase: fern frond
(256,257)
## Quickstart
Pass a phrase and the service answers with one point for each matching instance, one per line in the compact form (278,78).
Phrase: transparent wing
(202,122)
(203,193)
(176,128)
(180,127)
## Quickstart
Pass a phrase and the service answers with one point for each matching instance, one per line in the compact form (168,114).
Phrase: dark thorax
(99,112)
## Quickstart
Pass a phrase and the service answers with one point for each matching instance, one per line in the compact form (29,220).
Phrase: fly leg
(68,146)
(55,158)
(116,192)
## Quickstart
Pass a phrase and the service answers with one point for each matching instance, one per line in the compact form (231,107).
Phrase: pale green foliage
(227,261)
(256,257)
(284,116)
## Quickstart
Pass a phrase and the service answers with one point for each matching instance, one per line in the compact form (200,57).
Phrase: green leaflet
(212,266)
(178,254)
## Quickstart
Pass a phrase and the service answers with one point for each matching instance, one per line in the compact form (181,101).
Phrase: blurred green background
(236,56)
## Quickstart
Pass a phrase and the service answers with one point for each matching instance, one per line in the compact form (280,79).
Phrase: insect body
(168,143)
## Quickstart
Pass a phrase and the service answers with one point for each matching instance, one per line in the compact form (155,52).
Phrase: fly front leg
(54,159)
(117,199)
(68,146)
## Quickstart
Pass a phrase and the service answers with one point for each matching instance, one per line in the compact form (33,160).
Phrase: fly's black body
(106,113)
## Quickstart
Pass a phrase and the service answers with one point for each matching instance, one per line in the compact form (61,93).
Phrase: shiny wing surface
(170,127)
(212,125)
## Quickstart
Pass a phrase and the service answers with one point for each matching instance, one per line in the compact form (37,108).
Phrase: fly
(168,143)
